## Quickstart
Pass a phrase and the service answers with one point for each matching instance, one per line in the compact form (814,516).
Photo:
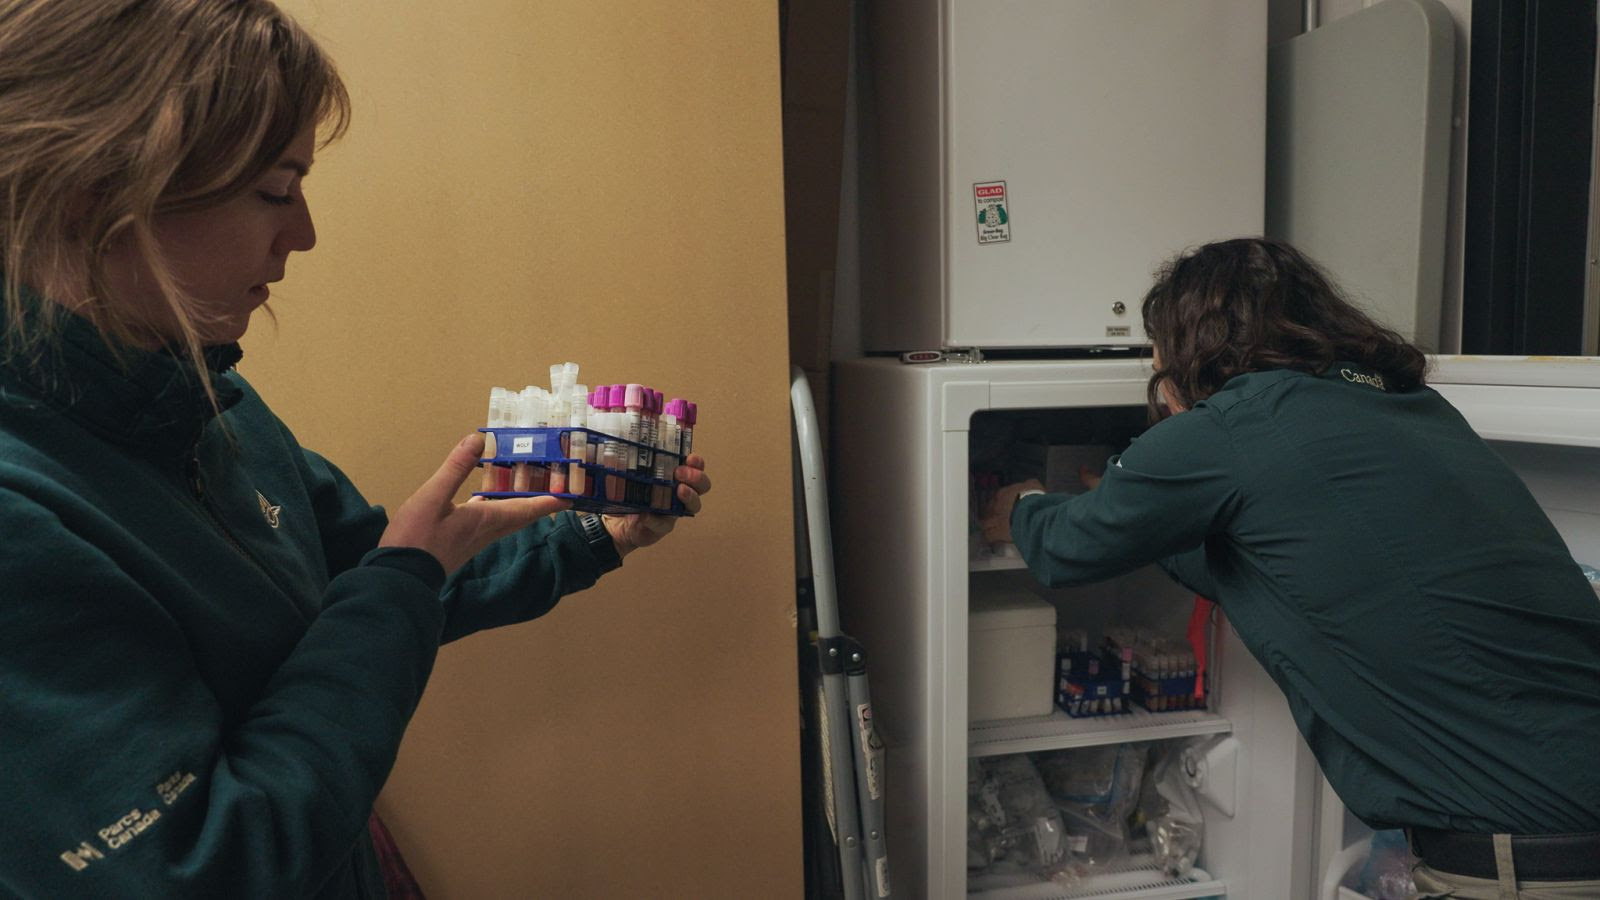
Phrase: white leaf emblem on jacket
(268,510)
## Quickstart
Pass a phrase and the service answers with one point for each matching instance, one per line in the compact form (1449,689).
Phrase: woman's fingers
(432,521)
(690,498)
(694,475)
(441,487)
(504,516)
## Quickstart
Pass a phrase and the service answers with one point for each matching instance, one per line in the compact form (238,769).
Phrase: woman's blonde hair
(115,111)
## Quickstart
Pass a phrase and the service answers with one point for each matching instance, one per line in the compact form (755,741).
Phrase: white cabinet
(1036,159)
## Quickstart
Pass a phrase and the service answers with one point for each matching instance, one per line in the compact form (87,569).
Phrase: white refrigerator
(904,439)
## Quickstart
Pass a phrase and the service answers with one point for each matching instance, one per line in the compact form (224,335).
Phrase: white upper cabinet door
(1086,142)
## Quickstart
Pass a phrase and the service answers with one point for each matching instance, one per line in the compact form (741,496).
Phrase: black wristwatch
(599,539)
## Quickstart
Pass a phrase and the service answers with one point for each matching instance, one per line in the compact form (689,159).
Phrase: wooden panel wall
(528,183)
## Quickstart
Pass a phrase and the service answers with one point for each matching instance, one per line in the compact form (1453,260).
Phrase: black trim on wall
(1529,143)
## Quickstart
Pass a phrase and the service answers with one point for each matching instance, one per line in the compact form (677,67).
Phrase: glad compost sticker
(994,214)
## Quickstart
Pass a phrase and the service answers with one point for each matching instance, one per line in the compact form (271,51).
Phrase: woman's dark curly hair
(1250,304)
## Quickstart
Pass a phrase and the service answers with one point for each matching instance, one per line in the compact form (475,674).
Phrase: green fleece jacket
(206,666)
(1438,645)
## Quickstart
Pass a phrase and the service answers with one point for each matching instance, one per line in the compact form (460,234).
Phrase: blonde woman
(212,643)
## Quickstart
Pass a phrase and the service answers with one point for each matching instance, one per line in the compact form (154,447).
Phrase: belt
(1537,857)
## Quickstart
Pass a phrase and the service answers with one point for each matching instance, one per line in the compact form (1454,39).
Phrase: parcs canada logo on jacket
(268,511)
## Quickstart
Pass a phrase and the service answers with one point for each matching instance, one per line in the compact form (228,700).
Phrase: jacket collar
(131,396)
(1357,374)
(1340,370)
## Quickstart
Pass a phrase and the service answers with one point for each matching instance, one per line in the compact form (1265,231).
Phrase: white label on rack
(883,876)
(993,212)
(522,444)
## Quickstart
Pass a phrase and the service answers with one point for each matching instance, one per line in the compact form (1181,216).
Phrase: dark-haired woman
(1439,648)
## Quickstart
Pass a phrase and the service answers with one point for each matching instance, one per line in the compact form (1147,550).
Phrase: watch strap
(599,540)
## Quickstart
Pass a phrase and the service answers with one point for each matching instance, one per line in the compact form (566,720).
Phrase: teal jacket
(1438,645)
(206,667)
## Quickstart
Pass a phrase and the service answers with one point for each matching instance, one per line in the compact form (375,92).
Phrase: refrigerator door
(1543,417)
(1358,155)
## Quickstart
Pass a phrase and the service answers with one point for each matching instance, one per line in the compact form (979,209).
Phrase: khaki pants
(1431,883)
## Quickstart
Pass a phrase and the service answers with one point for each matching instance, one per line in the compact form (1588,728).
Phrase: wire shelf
(1138,878)
(1059,731)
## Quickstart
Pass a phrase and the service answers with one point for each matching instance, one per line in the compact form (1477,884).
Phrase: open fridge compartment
(906,549)
(1056,443)
(1010,446)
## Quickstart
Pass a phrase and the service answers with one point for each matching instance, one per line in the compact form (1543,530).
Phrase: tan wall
(515,168)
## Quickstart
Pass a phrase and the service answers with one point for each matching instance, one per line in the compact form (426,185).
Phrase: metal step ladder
(842,758)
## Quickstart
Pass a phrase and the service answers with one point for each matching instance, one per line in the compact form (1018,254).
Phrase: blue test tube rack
(542,446)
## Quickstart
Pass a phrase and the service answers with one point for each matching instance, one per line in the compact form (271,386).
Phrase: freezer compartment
(1023,165)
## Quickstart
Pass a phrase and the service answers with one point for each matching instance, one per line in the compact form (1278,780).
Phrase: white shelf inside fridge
(995,563)
(1138,878)
(1059,731)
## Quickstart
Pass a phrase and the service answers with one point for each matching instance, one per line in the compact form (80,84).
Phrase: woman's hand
(431,520)
(1089,477)
(632,532)
(996,519)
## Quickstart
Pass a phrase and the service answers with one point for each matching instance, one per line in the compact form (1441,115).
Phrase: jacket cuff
(413,561)
(596,537)
(1018,502)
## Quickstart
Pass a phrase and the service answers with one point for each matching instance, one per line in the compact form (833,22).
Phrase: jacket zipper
(197,494)
(197,491)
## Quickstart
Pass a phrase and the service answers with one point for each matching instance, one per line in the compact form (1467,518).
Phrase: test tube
(497,478)
(577,443)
